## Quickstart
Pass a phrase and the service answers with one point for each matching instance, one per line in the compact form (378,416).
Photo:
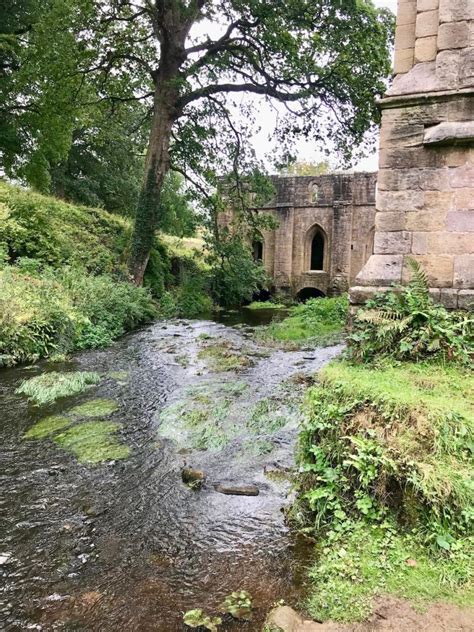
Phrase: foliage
(319,320)
(235,276)
(385,477)
(257,305)
(238,605)
(197,618)
(59,312)
(405,324)
(302,168)
(94,408)
(46,427)
(48,387)
(360,560)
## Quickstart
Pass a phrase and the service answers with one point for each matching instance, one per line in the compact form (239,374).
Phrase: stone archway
(309,292)
(316,249)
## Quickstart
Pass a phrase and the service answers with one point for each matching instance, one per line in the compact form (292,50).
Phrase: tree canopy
(189,62)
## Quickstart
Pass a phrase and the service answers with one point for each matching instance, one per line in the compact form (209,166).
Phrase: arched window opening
(314,193)
(317,251)
(257,250)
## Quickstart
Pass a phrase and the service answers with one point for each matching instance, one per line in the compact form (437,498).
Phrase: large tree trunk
(156,167)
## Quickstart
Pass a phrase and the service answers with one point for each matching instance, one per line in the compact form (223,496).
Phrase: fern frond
(419,283)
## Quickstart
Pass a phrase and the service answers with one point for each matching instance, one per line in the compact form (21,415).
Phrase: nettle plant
(406,324)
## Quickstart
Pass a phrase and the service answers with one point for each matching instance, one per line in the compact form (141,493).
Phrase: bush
(405,324)
(55,313)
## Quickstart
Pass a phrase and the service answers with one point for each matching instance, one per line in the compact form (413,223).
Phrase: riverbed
(125,544)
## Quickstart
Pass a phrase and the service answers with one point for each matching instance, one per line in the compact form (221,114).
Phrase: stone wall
(425,200)
(342,207)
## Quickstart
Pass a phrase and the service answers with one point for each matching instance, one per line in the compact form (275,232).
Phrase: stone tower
(425,191)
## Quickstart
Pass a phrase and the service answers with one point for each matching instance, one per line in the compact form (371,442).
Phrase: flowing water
(126,545)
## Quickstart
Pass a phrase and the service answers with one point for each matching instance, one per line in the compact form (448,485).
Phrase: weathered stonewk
(325,232)
(425,199)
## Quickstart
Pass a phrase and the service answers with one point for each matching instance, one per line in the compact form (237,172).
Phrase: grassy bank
(64,283)
(318,321)
(386,457)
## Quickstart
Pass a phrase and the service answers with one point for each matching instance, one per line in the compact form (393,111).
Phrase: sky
(307,151)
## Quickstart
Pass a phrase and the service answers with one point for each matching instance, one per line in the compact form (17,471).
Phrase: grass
(267,417)
(386,457)
(48,387)
(319,321)
(93,442)
(355,566)
(220,356)
(256,305)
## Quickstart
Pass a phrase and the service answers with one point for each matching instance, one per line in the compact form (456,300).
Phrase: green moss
(267,417)
(119,376)
(46,427)
(93,442)
(221,356)
(94,408)
(48,387)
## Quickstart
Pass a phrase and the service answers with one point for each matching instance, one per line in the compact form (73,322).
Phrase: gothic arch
(316,249)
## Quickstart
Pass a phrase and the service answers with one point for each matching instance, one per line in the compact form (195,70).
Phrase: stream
(125,544)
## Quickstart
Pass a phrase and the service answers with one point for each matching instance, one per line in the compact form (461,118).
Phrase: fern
(419,283)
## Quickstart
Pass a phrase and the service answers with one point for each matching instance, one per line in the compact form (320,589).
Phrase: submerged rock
(285,619)
(193,478)
(237,490)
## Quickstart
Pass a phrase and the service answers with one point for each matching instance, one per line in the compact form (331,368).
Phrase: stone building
(425,199)
(325,232)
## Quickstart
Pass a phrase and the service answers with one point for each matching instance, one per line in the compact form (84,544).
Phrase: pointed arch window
(317,251)
(257,250)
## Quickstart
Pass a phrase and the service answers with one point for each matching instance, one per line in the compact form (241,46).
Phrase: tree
(302,168)
(325,60)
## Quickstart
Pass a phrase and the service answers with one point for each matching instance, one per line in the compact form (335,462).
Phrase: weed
(93,442)
(266,417)
(221,356)
(46,427)
(94,408)
(48,387)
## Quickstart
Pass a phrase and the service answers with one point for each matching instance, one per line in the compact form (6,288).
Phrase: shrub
(405,324)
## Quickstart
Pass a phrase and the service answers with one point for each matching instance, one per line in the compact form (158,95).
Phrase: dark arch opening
(317,251)
(257,250)
(309,292)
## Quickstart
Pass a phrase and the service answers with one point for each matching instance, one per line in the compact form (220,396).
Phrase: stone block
(419,243)
(403,61)
(435,293)
(425,49)
(400,200)
(450,243)
(439,269)
(411,158)
(426,220)
(457,156)
(456,10)
(466,75)
(449,298)
(402,134)
(460,221)
(427,5)
(427,24)
(392,243)
(448,64)
(358,295)
(463,271)
(462,176)
(406,13)
(405,36)
(464,199)
(390,221)
(398,179)
(381,270)
(438,200)
(461,109)
(433,179)
(466,299)
(453,35)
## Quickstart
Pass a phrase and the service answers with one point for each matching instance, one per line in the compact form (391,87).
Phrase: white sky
(307,151)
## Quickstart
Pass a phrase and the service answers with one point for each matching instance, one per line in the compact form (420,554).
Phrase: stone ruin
(425,191)
(325,232)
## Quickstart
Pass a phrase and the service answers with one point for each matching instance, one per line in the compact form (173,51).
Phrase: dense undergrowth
(63,278)
(386,460)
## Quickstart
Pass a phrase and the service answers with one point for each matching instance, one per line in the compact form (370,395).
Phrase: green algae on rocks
(48,387)
(221,356)
(46,427)
(93,442)
(94,408)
